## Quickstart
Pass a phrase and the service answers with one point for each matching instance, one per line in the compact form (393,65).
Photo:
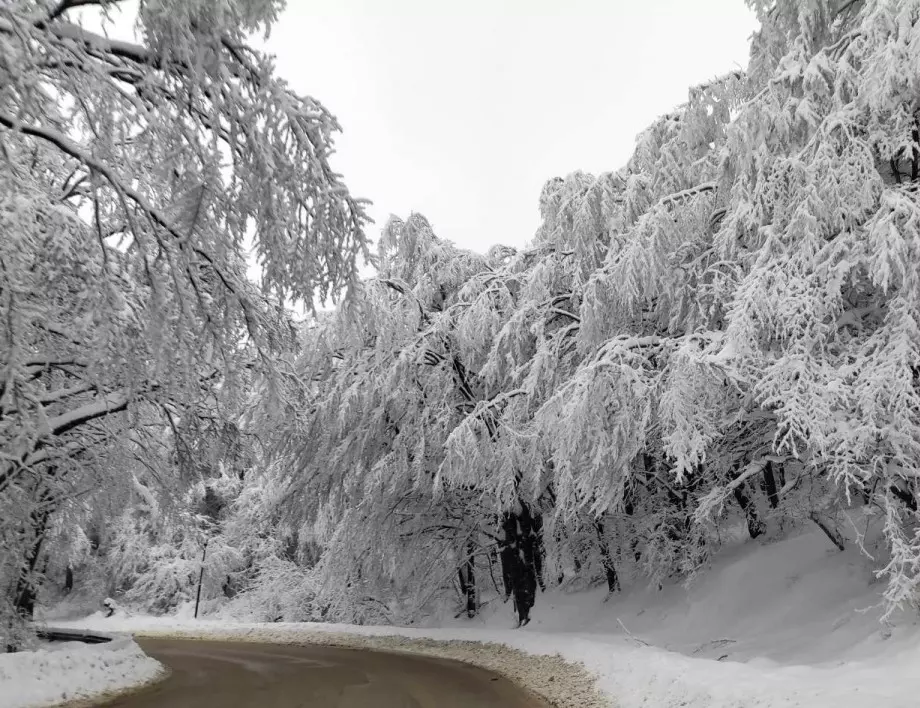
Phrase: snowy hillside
(788,602)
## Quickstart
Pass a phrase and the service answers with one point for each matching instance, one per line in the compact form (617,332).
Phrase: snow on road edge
(74,673)
(562,683)
(590,671)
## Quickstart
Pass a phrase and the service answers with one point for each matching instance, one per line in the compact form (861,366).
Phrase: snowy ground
(781,624)
(73,672)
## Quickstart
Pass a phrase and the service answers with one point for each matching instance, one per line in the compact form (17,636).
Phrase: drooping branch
(678,197)
(66,5)
(108,404)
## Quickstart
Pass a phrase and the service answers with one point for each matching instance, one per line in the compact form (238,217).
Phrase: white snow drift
(73,672)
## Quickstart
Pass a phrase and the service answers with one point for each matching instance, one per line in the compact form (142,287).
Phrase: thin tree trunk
(828,531)
(769,481)
(610,571)
(755,525)
(467,576)
(507,561)
(915,154)
(204,553)
(26,585)
(539,555)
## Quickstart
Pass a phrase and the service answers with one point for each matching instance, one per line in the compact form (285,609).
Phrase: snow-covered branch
(108,404)
(677,197)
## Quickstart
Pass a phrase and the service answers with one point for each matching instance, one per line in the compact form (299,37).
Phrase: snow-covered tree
(362,461)
(134,179)
(725,331)
(725,328)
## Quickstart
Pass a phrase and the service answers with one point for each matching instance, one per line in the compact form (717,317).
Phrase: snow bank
(569,669)
(794,601)
(773,624)
(73,672)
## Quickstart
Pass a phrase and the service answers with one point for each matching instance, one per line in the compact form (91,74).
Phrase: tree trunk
(27,584)
(467,576)
(539,555)
(519,565)
(629,509)
(204,555)
(769,481)
(915,154)
(68,579)
(610,571)
(755,526)
(507,558)
(557,539)
(832,534)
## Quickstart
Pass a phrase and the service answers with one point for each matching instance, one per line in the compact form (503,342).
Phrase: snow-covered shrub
(278,590)
(157,556)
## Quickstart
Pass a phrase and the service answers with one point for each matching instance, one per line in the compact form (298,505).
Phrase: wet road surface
(209,674)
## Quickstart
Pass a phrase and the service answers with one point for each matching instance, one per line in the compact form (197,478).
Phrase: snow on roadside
(781,622)
(785,622)
(563,683)
(73,672)
(563,667)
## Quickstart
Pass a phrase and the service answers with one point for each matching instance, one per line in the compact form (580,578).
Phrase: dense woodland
(723,333)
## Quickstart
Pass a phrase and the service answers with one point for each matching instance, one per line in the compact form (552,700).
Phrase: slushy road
(209,674)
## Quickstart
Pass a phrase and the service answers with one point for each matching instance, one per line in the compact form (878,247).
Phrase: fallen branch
(631,635)
(830,533)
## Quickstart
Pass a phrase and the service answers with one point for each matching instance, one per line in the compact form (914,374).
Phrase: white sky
(462,111)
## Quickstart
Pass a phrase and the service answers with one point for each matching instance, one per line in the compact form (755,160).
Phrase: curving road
(243,675)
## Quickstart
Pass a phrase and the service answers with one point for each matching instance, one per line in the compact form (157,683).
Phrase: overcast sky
(462,110)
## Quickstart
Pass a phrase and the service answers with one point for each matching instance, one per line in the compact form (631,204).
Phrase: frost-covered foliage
(724,330)
(360,462)
(134,177)
(156,556)
(729,326)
